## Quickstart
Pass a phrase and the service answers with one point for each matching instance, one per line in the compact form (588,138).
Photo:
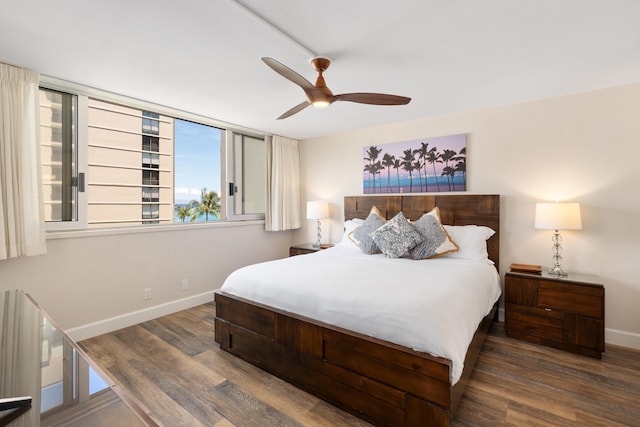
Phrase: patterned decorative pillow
(436,240)
(396,237)
(362,233)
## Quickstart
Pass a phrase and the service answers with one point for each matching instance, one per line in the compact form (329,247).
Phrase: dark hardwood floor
(172,366)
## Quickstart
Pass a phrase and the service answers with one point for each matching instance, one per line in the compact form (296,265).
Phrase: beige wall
(583,147)
(92,279)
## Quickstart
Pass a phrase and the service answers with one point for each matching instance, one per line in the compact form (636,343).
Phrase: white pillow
(349,227)
(471,241)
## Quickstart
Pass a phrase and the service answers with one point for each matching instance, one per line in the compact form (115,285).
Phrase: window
(198,172)
(150,123)
(150,143)
(246,176)
(141,166)
(58,140)
(150,194)
(150,160)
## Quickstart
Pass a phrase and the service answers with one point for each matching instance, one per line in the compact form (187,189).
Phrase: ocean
(419,186)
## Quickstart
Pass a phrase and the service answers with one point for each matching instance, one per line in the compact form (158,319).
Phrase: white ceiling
(203,56)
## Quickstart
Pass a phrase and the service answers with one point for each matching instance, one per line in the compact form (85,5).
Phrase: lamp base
(317,243)
(557,271)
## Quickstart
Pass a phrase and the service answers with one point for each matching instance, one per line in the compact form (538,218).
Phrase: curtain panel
(22,230)
(283,184)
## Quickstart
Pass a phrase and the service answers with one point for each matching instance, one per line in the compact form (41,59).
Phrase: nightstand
(306,248)
(561,312)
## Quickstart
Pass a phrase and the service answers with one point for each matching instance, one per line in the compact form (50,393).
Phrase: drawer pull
(547,309)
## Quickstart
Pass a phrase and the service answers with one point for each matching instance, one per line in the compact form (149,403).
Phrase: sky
(197,160)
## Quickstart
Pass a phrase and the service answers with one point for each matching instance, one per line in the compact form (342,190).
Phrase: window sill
(93,232)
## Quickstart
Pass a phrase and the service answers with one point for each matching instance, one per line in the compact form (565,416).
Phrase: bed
(377,379)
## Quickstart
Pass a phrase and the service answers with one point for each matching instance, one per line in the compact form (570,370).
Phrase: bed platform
(381,382)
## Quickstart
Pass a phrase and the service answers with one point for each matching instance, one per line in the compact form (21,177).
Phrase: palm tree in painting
(387,163)
(373,169)
(408,165)
(373,152)
(417,165)
(367,168)
(423,152)
(433,157)
(446,156)
(397,164)
(461,165)
(449,172)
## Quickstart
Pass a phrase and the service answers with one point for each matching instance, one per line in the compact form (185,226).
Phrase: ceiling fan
(319,94)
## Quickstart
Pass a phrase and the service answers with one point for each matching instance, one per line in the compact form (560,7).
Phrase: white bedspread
(433,306)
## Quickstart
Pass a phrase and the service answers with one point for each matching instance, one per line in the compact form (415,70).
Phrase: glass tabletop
(40,362)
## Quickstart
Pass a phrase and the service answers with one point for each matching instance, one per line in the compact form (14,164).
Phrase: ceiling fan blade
(372,98)
(295,110)
(288,73)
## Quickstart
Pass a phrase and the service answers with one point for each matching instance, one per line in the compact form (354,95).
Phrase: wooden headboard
(464,209)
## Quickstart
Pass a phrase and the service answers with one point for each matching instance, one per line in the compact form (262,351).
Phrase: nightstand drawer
(521,291)
(562,312)
(587,332)
(535,322)
(576,299)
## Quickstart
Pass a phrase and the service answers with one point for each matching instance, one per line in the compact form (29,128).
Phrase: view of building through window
(58,153)
(130,166)
(142,167)
(111,165)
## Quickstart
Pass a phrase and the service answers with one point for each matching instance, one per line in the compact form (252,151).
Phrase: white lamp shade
(558,216)
(317,210)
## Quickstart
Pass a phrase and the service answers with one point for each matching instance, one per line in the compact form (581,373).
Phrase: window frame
(83,94)
(235,177)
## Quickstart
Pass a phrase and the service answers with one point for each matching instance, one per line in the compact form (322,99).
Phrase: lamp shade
(317,210)
(558,216)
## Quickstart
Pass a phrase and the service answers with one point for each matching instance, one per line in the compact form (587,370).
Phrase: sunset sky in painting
(451,142)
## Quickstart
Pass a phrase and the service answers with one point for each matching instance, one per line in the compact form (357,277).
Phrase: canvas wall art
(436,164)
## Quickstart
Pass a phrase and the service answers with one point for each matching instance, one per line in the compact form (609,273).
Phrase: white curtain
(283,184)
(21,209)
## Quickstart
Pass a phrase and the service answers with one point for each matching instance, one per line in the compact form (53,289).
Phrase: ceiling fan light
(320,104)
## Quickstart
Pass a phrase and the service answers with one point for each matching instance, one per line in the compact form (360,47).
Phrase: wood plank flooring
(173,368)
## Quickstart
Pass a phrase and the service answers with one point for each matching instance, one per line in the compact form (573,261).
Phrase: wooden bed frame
(380,382)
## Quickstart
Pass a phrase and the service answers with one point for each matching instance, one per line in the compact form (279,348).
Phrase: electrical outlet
(185,284)
(147,293)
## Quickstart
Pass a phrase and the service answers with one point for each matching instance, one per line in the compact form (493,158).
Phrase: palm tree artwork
(427,165)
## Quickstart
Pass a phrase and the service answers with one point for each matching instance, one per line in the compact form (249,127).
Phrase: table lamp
(558,216)
(317,210)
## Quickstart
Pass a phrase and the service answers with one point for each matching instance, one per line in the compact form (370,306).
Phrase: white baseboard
(100,327)
(622,338)
(612,336)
